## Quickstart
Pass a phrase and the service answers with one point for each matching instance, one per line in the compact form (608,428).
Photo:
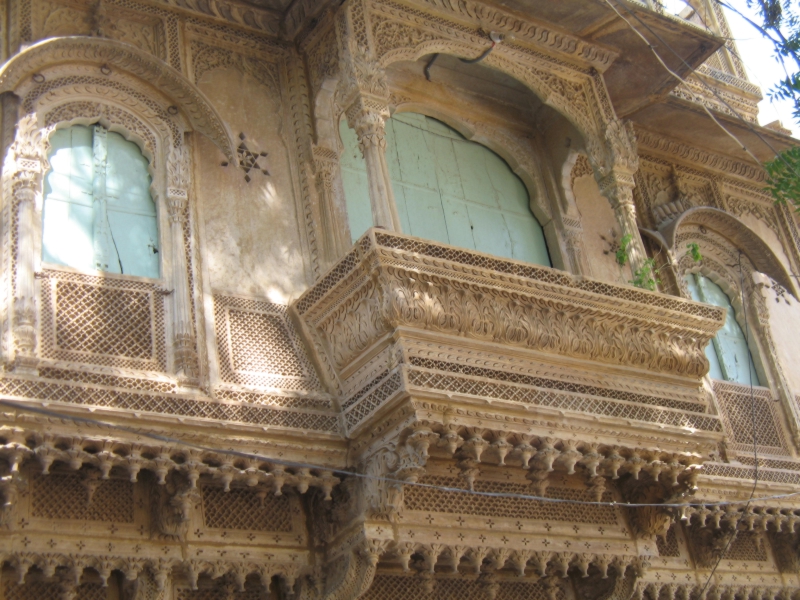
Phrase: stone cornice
(690,155)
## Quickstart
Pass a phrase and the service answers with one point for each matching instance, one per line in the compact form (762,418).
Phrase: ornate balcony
(409,329)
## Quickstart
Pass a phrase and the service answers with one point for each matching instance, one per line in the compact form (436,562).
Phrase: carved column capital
(617,186)
(176,204)
(367,116)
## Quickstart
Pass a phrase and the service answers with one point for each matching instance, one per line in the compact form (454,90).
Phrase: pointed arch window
(728,353)
(447,189)
(98,212)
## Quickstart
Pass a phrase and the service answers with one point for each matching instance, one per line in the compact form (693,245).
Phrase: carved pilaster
(335,241)
(25,179)
(573,238)
(183,342)
(367,115)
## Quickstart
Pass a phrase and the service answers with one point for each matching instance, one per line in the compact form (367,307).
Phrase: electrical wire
(741,278)
(750,373)
(24,407)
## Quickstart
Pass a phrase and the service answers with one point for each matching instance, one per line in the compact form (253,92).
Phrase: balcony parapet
(391,280)
(400,316)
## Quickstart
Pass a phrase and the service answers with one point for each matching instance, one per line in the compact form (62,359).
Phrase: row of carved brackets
(691,591)
(105,455)
(424,558)
(69,569)
(544,455)
(745,518)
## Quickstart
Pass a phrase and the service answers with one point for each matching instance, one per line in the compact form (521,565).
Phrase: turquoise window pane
(131,210)
(68,227)
(730,343)
(447,189)
(67,214)
(715,370)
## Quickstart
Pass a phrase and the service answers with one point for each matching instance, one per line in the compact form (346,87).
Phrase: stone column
(184,345)
(618,188)
(368,117)
(25,180)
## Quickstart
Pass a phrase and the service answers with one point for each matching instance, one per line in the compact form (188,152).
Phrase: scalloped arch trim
(129,59)
(740,235)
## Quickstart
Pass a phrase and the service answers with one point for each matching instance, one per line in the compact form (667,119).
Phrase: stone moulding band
(137,401)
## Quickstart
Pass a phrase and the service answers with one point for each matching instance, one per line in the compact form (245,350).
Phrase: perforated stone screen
(106,321)
(242,509)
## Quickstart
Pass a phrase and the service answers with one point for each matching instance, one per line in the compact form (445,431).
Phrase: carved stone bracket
(75,452)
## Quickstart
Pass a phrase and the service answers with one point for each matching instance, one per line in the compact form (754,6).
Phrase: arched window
(727,353)
(98,212)
(447,189)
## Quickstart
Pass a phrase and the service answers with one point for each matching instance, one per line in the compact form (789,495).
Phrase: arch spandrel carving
(739,234)
(142,67)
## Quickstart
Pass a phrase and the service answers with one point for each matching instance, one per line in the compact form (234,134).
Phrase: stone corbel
(28,168)
(351,573)
(389,467)
(172,506)
(786,549)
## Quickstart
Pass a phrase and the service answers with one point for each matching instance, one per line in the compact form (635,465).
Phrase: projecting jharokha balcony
(402,324)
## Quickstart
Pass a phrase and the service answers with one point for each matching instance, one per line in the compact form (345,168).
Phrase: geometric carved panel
(259,347)
(434,500)
(398,587)
(64,497)
(102,321)
(242,509)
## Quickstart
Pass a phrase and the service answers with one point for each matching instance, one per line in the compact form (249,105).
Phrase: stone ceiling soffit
(244,15)
(639,65)
(739,234)
(141,66)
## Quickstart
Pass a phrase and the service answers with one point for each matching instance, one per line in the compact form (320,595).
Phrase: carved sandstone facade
(298,409)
